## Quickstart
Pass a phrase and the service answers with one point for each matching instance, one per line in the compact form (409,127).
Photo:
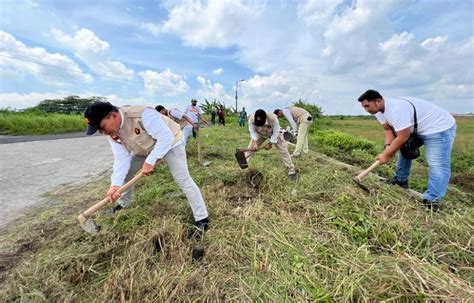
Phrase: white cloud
(94,52)
(211,91)
(166,83)
(218,71)
(151,28)
(435,43)
(211,23)
(21,101)
(18,60)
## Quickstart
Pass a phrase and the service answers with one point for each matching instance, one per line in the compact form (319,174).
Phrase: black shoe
(199,228)
(433,206)
(394,181)
(117,208)
(293,176)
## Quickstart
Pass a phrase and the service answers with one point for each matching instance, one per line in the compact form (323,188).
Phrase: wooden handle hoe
(86,222)
(358,179)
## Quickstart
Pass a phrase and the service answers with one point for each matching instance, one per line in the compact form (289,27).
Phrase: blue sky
(326,52)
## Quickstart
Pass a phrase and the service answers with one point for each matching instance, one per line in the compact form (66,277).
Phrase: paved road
(30,169)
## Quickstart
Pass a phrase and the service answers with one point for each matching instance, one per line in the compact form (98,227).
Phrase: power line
(70,69)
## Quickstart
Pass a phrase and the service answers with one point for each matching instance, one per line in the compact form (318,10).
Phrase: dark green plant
(315,110)
(71,105)
(207,107)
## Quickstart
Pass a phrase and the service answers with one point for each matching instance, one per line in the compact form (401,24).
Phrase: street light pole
(236,97)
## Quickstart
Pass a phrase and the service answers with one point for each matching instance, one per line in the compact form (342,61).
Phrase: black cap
(260,117)
(94,114)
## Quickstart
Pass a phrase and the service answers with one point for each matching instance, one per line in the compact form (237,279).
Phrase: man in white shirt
(179,117)
(301,126)
(262,126)
(436,130)
(194,112)
(140,137)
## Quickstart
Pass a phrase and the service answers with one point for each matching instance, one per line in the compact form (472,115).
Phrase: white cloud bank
(17,60)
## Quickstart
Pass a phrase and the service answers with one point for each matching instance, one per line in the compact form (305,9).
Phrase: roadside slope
(320,238)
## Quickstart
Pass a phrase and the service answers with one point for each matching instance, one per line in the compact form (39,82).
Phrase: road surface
(31,169)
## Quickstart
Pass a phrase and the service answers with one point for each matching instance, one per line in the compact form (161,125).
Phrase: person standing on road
(179,117)
(436,130)
(140,137)
(262,126)
(300,128)
(195,113)
(242,117)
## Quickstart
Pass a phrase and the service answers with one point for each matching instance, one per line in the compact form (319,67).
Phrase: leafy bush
(208,107)
(344,142)
(313,109)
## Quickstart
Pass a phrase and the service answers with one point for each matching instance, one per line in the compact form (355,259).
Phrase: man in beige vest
(262,126)
(301,126)
(139,137)
(184,121)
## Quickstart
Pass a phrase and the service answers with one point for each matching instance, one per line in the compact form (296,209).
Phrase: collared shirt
(289,117)
(193,112)
(157,129)
(275,131)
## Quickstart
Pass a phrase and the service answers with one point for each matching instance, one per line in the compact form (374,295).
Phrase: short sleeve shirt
(399,113)
(193,112)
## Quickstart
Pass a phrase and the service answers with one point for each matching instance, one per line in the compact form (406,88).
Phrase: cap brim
(92,129)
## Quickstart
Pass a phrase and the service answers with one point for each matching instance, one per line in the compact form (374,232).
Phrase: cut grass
(318,239)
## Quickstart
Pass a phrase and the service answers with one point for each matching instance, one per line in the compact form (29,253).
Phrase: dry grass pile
(319,238)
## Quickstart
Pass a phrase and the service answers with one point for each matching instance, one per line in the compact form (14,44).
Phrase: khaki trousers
(177,163)
(302,138)
(282,147)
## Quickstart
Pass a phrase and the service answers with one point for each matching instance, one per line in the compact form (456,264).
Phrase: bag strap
(415,127)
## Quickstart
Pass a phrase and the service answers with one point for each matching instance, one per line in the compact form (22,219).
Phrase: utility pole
(236,97)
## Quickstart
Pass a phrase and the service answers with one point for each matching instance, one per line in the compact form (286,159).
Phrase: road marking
(48,161)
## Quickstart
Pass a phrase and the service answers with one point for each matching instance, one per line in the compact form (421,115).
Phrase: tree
(313,109)
(207,107)
(71,105)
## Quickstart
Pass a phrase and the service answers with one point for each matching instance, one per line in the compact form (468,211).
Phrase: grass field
(463,150)
(35,123)
(320,238)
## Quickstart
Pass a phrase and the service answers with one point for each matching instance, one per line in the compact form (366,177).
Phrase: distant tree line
(209,106)
(71,105)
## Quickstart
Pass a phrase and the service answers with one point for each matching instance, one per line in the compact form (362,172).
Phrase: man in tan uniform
(184,121)
(139,137)
(262,126)
(301,126)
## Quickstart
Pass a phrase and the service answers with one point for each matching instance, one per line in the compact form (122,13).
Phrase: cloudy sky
(166,52)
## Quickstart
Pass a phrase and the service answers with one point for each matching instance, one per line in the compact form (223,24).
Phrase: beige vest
(266,130)
(134,136)
(182,122)
(299,114)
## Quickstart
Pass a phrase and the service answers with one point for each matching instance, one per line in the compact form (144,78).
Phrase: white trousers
(176,160)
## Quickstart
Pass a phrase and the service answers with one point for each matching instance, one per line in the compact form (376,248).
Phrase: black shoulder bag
(411,148)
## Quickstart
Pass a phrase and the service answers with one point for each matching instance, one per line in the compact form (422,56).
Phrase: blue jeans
(438,148)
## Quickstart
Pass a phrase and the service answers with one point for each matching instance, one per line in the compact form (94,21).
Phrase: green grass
(35,123)
(318,239)
(462,163)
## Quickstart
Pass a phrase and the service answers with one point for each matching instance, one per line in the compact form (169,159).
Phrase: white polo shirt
(193,112)
(430,117)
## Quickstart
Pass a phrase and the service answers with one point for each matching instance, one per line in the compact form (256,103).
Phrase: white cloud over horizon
(323,51)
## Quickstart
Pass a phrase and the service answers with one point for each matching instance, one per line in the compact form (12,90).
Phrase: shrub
(344,142)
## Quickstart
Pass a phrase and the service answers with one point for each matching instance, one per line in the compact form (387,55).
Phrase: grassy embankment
(462,163)
(35,123)
(320,238)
